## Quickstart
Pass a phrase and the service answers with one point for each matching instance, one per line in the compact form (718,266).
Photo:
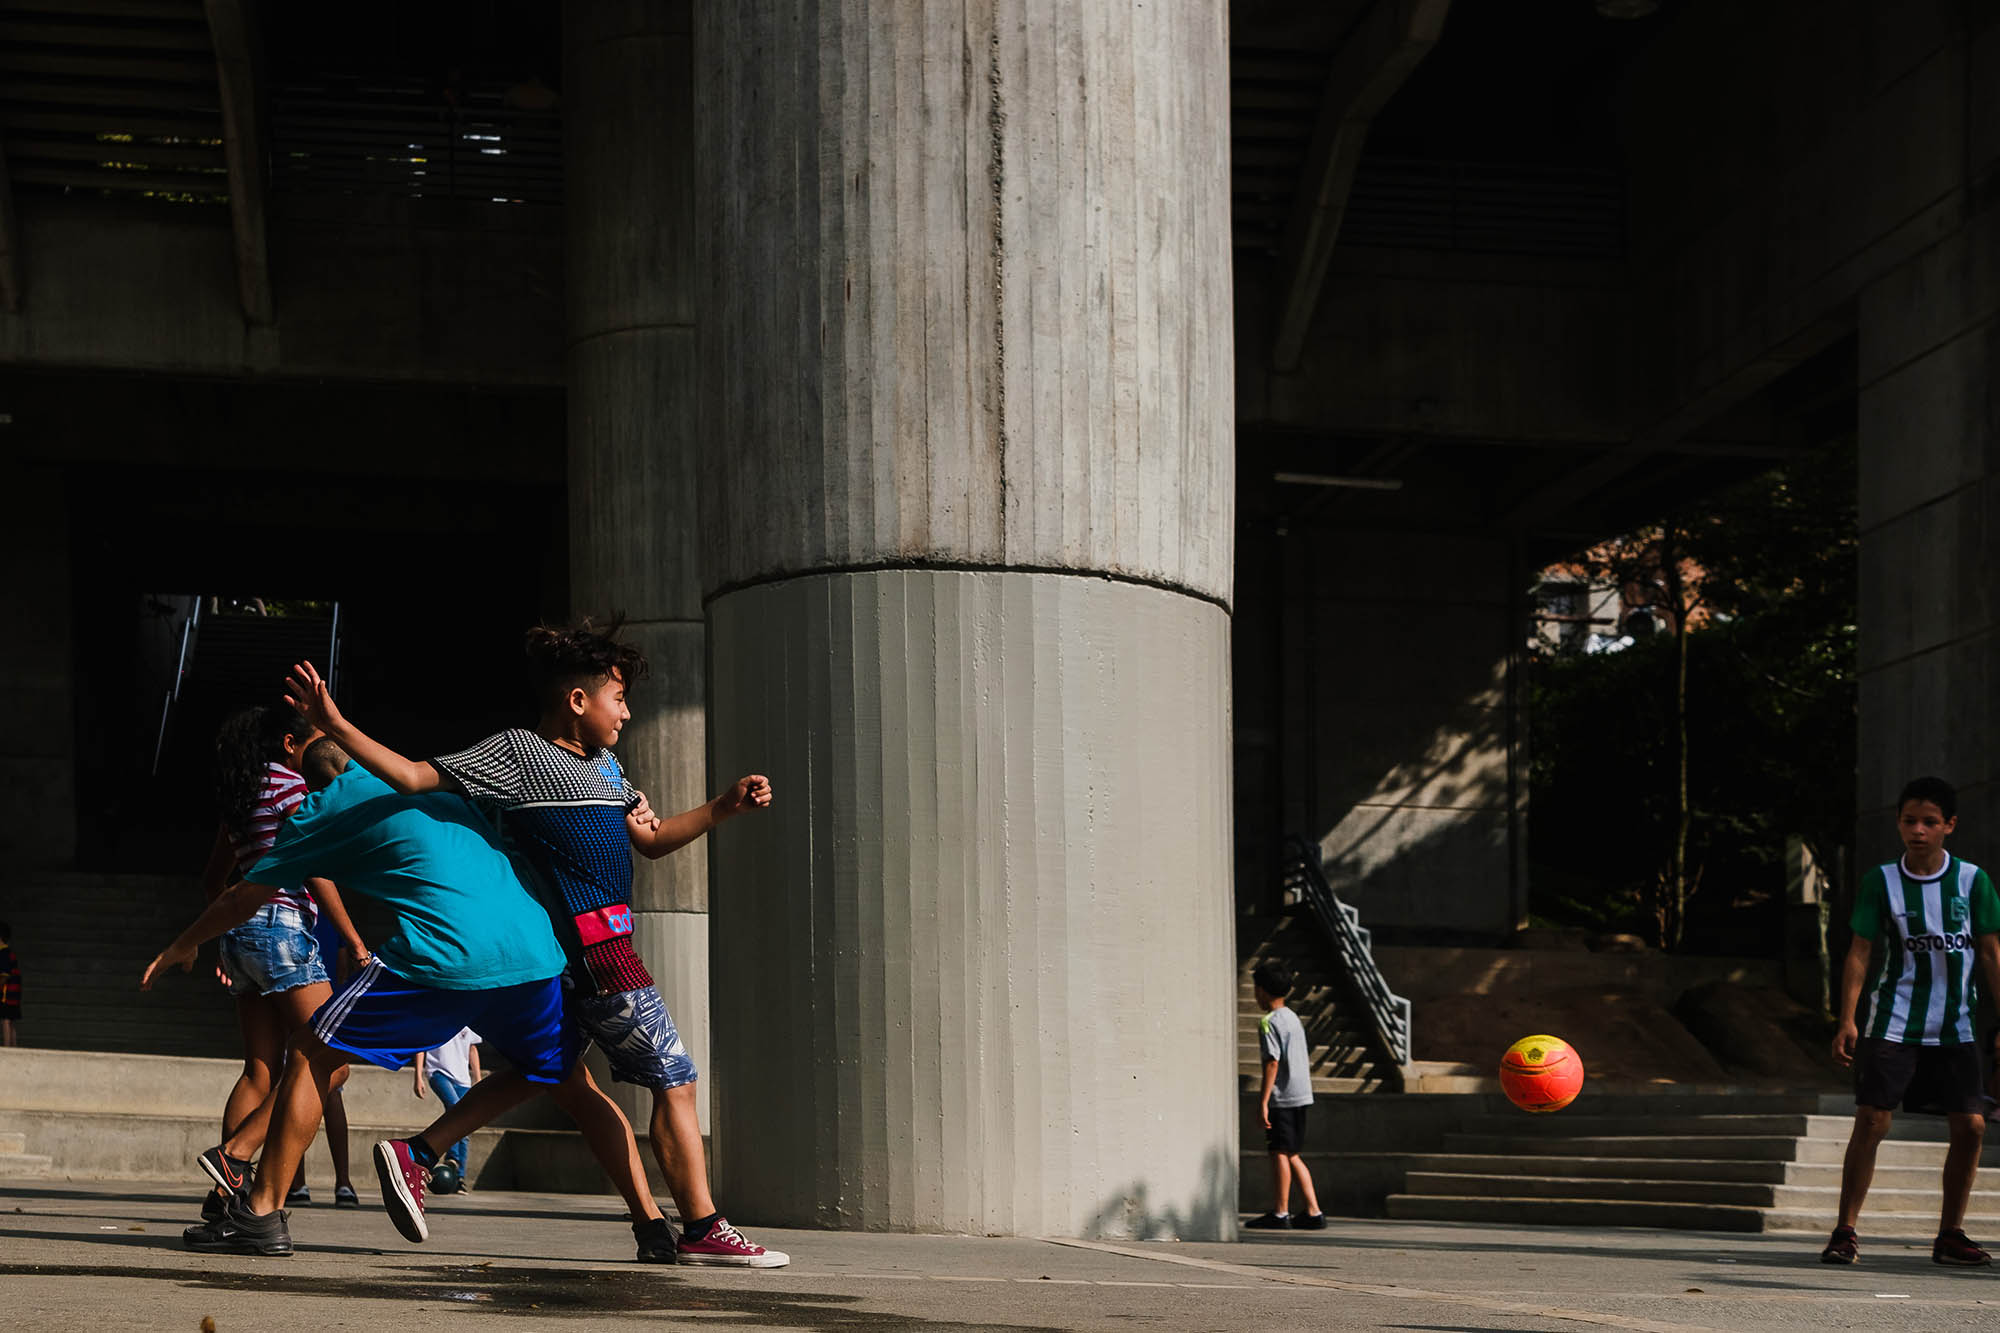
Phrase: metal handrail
(1388,1012)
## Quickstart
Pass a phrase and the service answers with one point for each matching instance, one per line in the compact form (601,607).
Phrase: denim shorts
(637,1036)
(273,951)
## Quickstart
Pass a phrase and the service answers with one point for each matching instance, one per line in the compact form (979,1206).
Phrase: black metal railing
(1387,1025)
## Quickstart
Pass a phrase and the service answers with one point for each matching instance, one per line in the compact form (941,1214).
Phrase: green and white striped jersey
(1922,985)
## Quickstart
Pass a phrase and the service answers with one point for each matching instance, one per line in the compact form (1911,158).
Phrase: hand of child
(749,793)
(419,1088)
(1265,1108)
(172,956)
(306,691)
(641,816)
(1843,1044)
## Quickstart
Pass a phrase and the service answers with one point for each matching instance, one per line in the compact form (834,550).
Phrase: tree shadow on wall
(1132,1215)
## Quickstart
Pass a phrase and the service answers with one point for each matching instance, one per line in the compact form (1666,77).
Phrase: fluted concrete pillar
(966,364)
(629,150)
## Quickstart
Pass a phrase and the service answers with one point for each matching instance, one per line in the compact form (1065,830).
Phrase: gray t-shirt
(1283,1038)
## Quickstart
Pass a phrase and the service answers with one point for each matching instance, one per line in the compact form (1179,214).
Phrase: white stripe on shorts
(343,1003)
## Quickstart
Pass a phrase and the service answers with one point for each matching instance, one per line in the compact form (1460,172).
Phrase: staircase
(1737,1161)
(1343,1057)
(84,938)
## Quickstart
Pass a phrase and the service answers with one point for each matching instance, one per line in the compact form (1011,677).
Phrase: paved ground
(108,1256)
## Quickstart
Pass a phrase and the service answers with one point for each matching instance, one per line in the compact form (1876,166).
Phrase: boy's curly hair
(560,660)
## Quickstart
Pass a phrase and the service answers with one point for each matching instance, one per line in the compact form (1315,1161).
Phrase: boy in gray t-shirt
(1286,1094)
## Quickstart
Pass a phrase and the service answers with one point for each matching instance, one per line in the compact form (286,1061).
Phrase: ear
(1951,826)
(578,700)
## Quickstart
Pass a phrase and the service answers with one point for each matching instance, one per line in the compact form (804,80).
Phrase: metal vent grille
(112,96)
(386,137)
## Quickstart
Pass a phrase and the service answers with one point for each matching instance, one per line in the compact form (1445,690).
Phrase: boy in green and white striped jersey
(1926,929)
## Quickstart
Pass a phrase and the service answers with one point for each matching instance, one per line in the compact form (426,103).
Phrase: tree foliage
(1762,577)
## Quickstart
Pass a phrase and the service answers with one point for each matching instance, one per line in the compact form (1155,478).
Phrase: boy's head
(1926,814)
(1272,985)
(580,676)
(324,761)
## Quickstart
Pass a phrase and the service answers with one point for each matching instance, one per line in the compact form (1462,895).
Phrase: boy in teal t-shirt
(1926,928)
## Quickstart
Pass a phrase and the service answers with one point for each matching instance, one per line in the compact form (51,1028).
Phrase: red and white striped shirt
(280,795)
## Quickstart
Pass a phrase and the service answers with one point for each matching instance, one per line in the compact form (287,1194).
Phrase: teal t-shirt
(463,921)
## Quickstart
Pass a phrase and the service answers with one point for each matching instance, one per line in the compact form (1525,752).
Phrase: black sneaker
(1842,1248)
(1269,1222)
(1310,1222)
(303,1194)
(345,1197)
(240,1231)
(213,1204)
(657,1243)
(232,1174)
(1955,1248)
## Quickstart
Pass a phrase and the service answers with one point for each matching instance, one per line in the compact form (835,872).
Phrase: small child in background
(450,1071)
(10,989)
(1285,1098)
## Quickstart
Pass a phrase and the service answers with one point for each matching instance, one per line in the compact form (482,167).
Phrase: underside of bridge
(1069,445)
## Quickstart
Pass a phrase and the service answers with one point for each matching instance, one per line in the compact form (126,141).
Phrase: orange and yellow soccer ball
(1541,1073)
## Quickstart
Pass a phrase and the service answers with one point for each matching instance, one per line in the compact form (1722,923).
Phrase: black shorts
(1930,1080)
(1287,1133)
(10,1011)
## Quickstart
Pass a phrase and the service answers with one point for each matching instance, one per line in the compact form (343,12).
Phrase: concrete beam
(1379,52)
(229,27)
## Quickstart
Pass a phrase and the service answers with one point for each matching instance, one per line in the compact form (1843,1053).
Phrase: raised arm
(232,907)
(307,692)
(654,837)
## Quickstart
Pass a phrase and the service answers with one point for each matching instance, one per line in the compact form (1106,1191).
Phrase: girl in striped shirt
(271,962)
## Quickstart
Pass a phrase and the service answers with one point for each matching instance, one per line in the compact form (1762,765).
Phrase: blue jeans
(449,1090)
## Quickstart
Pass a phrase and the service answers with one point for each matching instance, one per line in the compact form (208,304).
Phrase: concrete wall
(37,741)
(1409,768)
(392,289)
(969,355)
(1836,176)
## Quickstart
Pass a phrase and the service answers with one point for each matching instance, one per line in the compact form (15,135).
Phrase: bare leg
(289,1010)
(609,1135)
(676,1136)
(263,1057)
(1281,1183)
(1961,1164)
(1857,1169)
(301,1096)
(336,1137)
(1304,1176)
(8,1036)
(488,1098)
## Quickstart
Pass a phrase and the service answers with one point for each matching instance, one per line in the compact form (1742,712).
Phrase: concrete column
(1929,656)
(629,150)
(37,716)
(967,550)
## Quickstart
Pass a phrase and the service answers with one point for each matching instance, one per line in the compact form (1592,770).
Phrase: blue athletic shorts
(387,1020)
(637,1035)
(273,951)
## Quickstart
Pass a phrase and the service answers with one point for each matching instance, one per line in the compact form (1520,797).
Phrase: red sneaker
(1954,1247)
(725,1245)
(402,1188)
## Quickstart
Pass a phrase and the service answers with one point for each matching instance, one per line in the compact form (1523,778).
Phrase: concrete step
(1902,1199)
(1906,1129)
(1877,1228)
(1743,1171)
(1576,1212)
(1762,1147)
(1651,1190)
(13,1141)
(24,1165)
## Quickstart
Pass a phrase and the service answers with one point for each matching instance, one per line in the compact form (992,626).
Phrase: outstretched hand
(748,793)
(174,955)
(306,691)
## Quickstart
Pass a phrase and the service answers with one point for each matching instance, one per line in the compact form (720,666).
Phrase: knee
(1968,1129)
(1871,1123)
